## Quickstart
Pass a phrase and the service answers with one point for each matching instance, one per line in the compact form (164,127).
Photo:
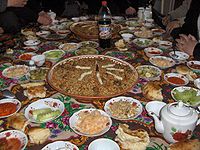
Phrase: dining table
(12,46)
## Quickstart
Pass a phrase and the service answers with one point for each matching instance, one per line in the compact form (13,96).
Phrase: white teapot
(177,123)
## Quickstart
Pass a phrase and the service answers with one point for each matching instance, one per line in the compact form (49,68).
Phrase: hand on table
(16,3)
(172,25)
(186,43)
(1,30)
(44,18)
(130,11)
(166,20)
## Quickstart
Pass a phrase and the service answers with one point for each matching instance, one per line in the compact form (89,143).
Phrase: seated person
(175,18)
(190,45)
(117,7)
(14,15)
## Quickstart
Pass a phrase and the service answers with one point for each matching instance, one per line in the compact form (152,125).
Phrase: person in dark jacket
(14,14)
(188,38)
(117,7)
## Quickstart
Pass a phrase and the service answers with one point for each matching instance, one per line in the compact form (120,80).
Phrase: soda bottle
(104,23)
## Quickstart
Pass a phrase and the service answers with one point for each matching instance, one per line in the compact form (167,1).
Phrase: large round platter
(53,104)
(60,145)
(16,102)
(162,61)
(16,71)
(140,42)
(74,121)
(89,29)
(128,107)
(10,134)
(148,72)
(92,77)
(178,55)
(194,65)
(187,95)
(176,79)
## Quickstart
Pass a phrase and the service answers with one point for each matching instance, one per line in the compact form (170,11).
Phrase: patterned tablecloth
(59,127)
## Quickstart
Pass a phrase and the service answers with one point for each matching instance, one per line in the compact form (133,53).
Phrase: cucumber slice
(47,116)
(36,112)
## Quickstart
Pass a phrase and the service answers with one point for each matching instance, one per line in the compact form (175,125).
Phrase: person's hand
(16,3)
(1,30)
(44,18)
(166,20)
(172,25)
(186,43)
(130,11)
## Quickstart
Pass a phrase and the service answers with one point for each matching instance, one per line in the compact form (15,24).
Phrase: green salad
(54,54)
(143,43)
(188,96)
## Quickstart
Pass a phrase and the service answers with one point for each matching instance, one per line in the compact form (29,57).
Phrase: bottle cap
(104,3)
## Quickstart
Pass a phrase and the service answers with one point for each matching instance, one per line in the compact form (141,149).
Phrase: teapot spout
(158,124)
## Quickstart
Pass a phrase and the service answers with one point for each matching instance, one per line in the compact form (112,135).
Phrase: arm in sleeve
(3,5)
(181,10)
(196,52)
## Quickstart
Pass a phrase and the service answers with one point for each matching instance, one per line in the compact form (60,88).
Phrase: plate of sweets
(194,65)
(16,71)
(44,110)
(123,108)
(162,61)
(176,79)
(90,122)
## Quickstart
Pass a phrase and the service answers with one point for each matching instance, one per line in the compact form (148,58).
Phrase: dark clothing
(190,25)
(196,52)
(116,6)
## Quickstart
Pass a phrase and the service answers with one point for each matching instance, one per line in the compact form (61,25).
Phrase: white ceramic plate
(176,76)
(92,44)
(197,83)
(162,61)
(54,55)
(143,34)
(24,54)
(15,134)
(14,101)
(69,46)
(103,144)
(75,117)
(165,44)
(132,23)
(53,104)
(158,32)
(179,55)
(126,99)
(187,101)
(87,51)
(32,42)
(142,42)
(15,72)
(43,33)
(194,65)
(148,72)
(152,51)
(62,145)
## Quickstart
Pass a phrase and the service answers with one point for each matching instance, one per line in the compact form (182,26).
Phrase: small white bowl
(32,42)
(103,144)
(165,44)
(127,36)
(197,83)
(38,60)
(155,107)
(76,19)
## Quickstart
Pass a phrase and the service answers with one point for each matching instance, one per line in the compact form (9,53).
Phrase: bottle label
(105,31)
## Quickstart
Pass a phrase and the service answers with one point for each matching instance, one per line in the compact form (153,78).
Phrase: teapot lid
(180,109)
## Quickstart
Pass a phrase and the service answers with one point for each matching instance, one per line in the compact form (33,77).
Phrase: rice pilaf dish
(92,76)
